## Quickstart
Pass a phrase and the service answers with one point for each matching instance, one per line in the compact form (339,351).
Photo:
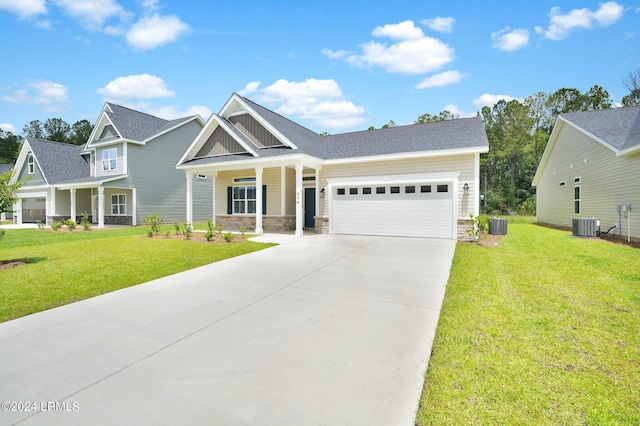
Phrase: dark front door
(309,207)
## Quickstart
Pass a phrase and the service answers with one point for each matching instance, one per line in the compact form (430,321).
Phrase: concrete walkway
(322,330)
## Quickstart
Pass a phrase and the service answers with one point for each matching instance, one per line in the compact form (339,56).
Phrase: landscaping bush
(56,225)
(243,230)
(228,237)
(71,224)
(188,229)
(84,221)
(153,222)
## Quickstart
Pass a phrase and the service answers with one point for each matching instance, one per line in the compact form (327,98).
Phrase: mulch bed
(199,237)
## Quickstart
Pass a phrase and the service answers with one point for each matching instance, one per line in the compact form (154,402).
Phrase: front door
(309,207)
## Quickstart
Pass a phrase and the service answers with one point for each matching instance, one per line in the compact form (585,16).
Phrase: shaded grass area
(63,267)
(543,329)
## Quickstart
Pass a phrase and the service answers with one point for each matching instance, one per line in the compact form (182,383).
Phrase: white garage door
(411,210)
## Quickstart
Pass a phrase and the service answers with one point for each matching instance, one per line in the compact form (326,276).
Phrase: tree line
(53,129)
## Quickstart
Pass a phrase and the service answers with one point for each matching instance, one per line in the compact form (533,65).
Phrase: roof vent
(586,227)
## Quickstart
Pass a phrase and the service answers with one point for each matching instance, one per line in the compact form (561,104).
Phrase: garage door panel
(399,214)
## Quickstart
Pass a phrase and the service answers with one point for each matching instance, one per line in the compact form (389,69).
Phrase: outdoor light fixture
(465,188)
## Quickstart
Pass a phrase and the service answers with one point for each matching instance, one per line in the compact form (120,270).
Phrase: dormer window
(109,157)
(30,164)
(107,132)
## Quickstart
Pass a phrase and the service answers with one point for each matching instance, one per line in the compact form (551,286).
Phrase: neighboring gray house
(125,172)
(591,169)
(4,168)
(271,174)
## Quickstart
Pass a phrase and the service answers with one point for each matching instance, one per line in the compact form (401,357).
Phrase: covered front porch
(262,195)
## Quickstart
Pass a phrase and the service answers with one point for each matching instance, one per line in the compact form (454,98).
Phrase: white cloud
(141,86)
(561,24)
(510,40)
(172,112)
(10,128)
(24,8)
(320,102)
(92,14)
(411,52)
(442,79)
(249,88)
(403,31)
(443,25)
(335,54)
(39,92)
(150,5)
(490,100)
(154,31)
(455,110)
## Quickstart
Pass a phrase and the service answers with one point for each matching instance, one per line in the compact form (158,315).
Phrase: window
(118,204)
(109,159)
(443,188)
(563,183)
(242,180)
(380,190)
(341,191)
(244,199)
(204,177)
(308,178)
(425,188)
(577,180)
(366,191)
(409,189)
(353,191)
(30,164)
(576,200)
(395,190)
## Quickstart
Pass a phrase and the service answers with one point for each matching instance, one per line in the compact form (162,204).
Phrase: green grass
(63,267)
(543,329)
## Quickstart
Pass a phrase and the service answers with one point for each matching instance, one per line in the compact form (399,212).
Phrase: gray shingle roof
(138,126)
(619,127)
(59,162)
(4,168)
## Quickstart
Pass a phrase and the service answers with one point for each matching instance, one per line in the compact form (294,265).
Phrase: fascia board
(22,157)
(288,160)
(395,179)
(408,155)
(94,184)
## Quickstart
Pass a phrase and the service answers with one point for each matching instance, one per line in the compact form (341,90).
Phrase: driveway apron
(321,330)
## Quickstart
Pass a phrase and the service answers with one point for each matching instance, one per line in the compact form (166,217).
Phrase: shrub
(71,224)
(167,234)
(56,225)
(474,228)
(176,226)
(84,221)
(243,230)
(188,229)
(483,222)
(228,237)
(209,235)
(153,223)
(41,225)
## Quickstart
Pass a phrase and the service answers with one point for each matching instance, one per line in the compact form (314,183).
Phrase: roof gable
(57,161)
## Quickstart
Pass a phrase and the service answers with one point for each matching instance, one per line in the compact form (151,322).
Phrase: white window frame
(121,207)
(577,200)
(109,162)
(31,166)
(245,201)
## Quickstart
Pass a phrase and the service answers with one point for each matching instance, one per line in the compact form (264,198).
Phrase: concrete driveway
(323,330)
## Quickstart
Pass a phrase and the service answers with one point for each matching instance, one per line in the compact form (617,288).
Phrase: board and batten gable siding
(219,143)
(270,178)
(160,187)
(606,181)
(36,178)
(256,133)
(452,163)
(120,166)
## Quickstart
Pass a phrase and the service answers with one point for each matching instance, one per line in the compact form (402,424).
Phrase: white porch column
(3,216)
(100,206)
(134,207)
(73,204)
(259,200)
(18,212)
(317,213)
(213,207)
(283,190)
(299,213)
(189,198)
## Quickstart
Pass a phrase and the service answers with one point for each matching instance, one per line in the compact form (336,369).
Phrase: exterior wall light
(465,188)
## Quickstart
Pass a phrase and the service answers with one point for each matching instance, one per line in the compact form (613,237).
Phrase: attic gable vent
(253,130)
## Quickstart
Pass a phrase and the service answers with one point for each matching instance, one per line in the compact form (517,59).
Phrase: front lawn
(63,267)
(542,329)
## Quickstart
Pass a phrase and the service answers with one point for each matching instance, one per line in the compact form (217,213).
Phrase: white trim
(579,200)
(189,177)
(476,184)
(108,159)
(266,162)
(299,214)
(31,165)
(408,155)
(94,184)
(20,162)
(134,206)
(125,151)
(283,190)
(118,204)
(259,195)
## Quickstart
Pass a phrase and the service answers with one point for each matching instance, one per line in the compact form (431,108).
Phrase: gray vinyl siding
(219,143)
(454,163)
(63,203)
(606,181)
(36,178)
(120,166)
(160,187)
(260,136)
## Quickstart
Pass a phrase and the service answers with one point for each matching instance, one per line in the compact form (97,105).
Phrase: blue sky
(332,66)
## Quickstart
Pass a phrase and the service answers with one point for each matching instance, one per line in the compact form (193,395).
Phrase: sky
(332,66)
